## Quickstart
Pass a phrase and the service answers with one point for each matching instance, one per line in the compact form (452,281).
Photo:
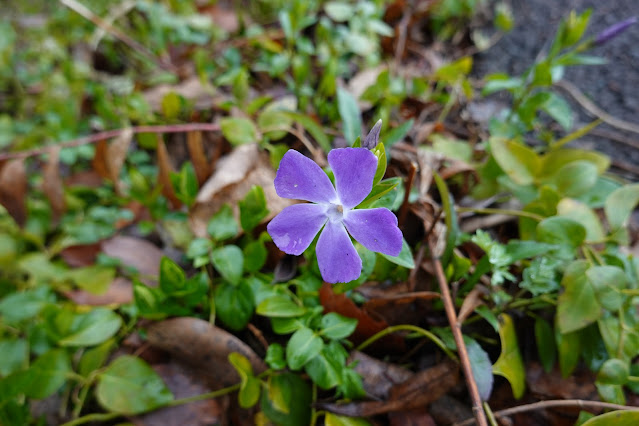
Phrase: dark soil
(613,87)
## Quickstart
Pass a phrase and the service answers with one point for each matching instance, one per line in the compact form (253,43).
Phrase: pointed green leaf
(510,364)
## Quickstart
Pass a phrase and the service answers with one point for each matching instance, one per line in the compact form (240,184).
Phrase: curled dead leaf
(164,174)
(52,184)
(198,156)
(203,346)
(13,189)
(137,253)
(235,174)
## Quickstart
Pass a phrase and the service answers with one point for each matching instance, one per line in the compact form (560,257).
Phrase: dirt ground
(613,87)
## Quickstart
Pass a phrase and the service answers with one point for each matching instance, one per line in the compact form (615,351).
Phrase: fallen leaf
(52,184)
(417,391)
(13,189)
(99,162)
(116,154)
(87,178)
(417,417)
(137,253)
(164,174)
(204,347)
(184,383)
(202,96)
(235,174)
(366,325)
(198,156)
(81,255)
(378,377)
(120,292)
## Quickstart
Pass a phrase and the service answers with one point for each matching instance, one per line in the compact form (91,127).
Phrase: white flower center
(335,212)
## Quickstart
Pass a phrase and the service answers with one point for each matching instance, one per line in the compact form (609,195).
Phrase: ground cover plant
(291,212)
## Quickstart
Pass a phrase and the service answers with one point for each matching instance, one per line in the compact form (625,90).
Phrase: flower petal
(294,228)
(336,256)
(299,178)
(354,170)
(375,229)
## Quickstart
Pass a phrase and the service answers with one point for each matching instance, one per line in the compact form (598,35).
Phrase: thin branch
(542,405)
(108,134)
(589,106)
(83,11)
(478,408)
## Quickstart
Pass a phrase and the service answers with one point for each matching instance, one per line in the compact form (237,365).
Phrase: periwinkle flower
(614,30)
(332,208)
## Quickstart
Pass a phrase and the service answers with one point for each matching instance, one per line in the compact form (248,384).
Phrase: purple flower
(332,208)
(614,30)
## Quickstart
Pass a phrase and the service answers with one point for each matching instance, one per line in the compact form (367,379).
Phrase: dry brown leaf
(198,156)
(13,189)
(184,383)
(99,162)
(204,347)
(136,253)
(81,255)
(116,154)
(419,390)
(120,292)
(164,173)
(235,174)
(52,184)
(366,325)
(87,178)
(471,302)
(378,377)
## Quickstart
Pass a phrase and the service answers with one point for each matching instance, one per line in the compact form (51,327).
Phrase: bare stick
(542,405)
(449,306)
(96,137)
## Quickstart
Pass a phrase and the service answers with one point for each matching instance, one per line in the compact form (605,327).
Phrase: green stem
(519,213)
(209,395)
(407,327)
(95,417)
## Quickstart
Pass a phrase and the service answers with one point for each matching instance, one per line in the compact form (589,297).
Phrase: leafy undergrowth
(137,277)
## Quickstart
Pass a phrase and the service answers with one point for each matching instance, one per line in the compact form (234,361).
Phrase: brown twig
(542,405)
(106,26)
(108,134)
(589,106)
(478,408)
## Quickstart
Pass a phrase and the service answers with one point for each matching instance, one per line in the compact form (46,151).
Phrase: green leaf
(253,208)
(617,418)
(404,258)
(397,134)
(575,178)
(21,306)
(569,348)
(519,162)
(608,282)
(95,279)
(129,386)
(94,358)
(255,255)
(250,386)
(172,277)
(380,153)
(620,204)
(577,306)
(584,215)
(185,184)
(339,11)
(171,105)
(229,262)
(611,393)
(324,372)
(546,348)
(557,107)
(222,225)
(331,419)
(280,307)
(313,128)
(47,374)
(350,115)
(15,355)
(234,304)
(275,356)
(287,400)
(556,159)
(303,346)
(613,372)
(482,369)
(92,328)
(561,230)
(239,131)
(510,364)
(336,326)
